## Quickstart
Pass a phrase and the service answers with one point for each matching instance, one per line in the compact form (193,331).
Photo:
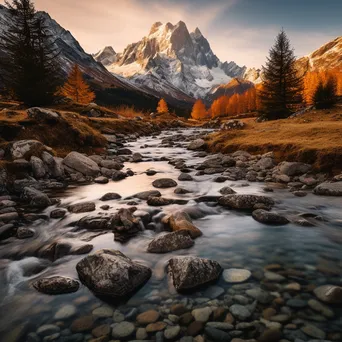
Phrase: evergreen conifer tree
(282,86)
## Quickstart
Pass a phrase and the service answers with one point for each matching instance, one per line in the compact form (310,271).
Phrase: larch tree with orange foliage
(199,111)
(162,107)
(76,89)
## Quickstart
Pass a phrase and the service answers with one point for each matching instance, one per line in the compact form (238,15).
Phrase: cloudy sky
(239,30)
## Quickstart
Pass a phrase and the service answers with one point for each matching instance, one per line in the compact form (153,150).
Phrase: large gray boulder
(111,273)
(329,189)
(170,242)
(42,114)
(265,163)
(82,164)
(294,168)
(54,165)
(190,272)
(36,198)
(198,144)
(268,217)
(164,183)
(23,148)
(245,202)
(38,167)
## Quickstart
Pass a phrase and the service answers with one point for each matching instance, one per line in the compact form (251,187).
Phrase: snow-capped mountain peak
(170,59)
(106,56)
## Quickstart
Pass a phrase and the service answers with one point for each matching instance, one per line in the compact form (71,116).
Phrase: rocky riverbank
(271,303)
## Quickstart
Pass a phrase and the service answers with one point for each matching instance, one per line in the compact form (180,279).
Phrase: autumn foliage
(76,89)
(236,104)
(162,107)
(199,111)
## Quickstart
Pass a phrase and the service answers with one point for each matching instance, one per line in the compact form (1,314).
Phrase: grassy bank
(315,138)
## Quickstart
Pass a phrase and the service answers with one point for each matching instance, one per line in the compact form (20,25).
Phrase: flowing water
(230,237)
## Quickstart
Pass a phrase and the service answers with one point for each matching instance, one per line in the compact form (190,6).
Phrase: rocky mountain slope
(172,61)
(328,56)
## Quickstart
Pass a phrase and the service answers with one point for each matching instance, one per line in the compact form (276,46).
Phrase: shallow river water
(232,238)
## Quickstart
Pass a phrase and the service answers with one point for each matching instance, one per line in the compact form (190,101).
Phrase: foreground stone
(236,275)
(82,207)
(124,224)
(293,168)
(82,164)
(191,272)
(22,148)
(164,183)
(329,189)
(36,198)
(56,285)
(329,294)
(146,194)
(197,145)
(171,242)
(111,273)
(245,202)
(182,221)
(267,217)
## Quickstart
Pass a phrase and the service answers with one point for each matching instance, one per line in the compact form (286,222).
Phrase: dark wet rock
(227,191)
(124,225)
(190,272)
(93,223)
(24,233)
(137,157)
(213,171)
(182,221)
(38,167)
(160,201)
(267,217)
(111,273)
(110,196)
(105,207)
(36,198)
(240,312)
(296,303)
(300,193)
(197,145)
(146,194)
(329,189)
(56,285)
(58,213)
(80,163)
(185,177)
(293,168)
(329,294)
(124,152)
(6,230)
(271,335)
(101,180)
(245,202)
(118,176)
(182,191)
(82,207)
(151,172)
(82,324)
(170,242)
(313,331)
(111,165)
(228,161)
(147,317)
(164,183)
(220,179)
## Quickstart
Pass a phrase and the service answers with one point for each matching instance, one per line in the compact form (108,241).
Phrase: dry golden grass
(314,138)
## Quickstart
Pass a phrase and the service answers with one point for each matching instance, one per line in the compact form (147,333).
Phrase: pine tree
(282,86)
(162,107)
(199,111)
(30,70)
(325,94)
(76,89)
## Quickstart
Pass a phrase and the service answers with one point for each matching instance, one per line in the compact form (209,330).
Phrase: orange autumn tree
(76,89)
(199,111)
(162,107)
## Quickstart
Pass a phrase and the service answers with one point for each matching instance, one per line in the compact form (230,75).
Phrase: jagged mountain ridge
(171,59)
(328,56)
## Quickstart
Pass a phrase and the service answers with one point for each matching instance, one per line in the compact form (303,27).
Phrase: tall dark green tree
(29,65)
(325,95)
(282,86)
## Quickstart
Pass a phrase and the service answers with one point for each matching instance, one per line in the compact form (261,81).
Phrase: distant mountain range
(169,62)
(172,61)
